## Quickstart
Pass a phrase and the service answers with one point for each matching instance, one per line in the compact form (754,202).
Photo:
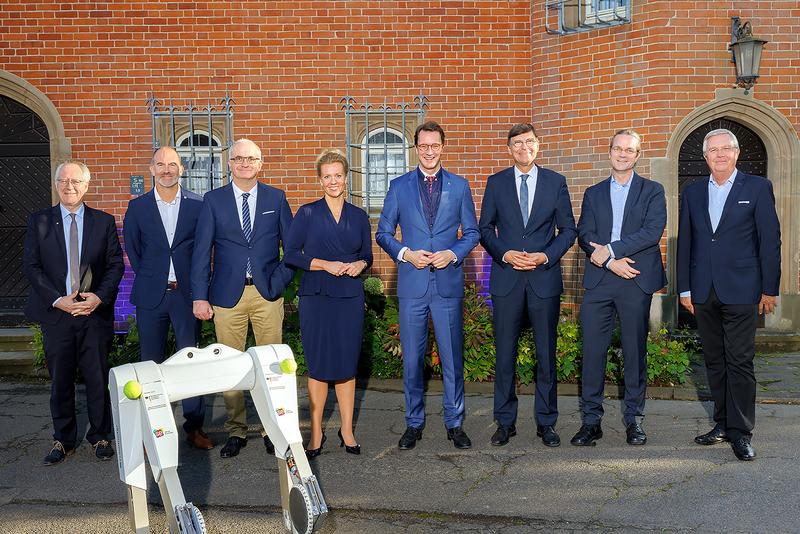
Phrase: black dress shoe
(743,449)
(717,435)
(503,434)
(232,447)
(549,435)
(352,449)
(313,453)
(459,438)
(409,438)
(636,435)
(587,435)
(268,444)
(103,450)
(57,454)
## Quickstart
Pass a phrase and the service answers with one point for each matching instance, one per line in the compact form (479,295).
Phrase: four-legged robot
(141,394)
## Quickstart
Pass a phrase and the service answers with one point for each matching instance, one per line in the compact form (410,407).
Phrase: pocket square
(268,212)
(744,202)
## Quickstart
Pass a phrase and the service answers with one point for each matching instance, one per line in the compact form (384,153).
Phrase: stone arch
(783,151)
(26,94)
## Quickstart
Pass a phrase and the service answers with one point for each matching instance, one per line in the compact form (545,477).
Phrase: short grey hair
(244,140)
(720,131)
(84,169)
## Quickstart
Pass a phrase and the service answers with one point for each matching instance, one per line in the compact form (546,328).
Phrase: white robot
(141,394)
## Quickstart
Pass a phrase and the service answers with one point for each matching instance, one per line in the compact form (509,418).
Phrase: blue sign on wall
(137,184)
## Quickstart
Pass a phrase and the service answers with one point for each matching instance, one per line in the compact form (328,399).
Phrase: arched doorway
(692,167)
(25,171)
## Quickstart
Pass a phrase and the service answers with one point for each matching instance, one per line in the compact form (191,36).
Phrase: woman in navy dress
(330,240)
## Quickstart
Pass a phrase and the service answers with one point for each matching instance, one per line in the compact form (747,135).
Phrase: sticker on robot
(160,432)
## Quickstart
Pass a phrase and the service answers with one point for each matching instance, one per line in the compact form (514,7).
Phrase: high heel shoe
(352,449)
(313,453)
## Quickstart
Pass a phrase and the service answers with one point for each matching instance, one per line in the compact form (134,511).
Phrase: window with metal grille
(202,138)
(379,143)
(570,16)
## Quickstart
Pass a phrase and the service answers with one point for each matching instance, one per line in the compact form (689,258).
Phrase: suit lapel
(414,194)
(733,196)
(444,198)
(605,209)
(233,212)
(542,189)
(88,230)
(633,196)
(509,193)
(154,215)
(58,230)
(704,206)
(261,206)
(180,226)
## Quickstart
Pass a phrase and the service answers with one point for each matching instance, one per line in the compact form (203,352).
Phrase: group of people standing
(219,257)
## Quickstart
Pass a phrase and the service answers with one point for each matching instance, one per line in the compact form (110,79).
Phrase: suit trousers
(509,311)
(728,335)
(447,318)
(78,343)
(153,328)
(614,296)
(231,326)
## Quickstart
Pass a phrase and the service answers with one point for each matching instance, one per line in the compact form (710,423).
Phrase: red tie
(429,180)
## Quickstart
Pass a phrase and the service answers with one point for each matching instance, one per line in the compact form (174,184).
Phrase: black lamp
(746,51)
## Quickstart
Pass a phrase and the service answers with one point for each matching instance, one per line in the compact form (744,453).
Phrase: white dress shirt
(169,219)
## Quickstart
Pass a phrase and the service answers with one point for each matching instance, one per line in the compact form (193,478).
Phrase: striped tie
(246,226)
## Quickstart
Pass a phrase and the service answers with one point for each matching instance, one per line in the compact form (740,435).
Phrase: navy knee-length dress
(331,307)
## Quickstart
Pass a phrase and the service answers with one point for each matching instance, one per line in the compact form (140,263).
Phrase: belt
(172,286)
(248,281)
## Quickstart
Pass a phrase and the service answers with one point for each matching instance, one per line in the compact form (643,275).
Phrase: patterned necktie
(429,180)
(74,258)
(523,198)
(246,226)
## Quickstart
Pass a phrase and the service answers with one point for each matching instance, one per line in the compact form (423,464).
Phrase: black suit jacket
(502,230)
(44,263)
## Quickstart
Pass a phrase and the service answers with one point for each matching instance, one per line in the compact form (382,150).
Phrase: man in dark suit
(729,269)
(242,226)
(73,262)
(159,239)
(522,208)
(429,204)
(622,220)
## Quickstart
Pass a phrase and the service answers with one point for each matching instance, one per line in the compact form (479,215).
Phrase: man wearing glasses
(241,226)
(159,239)
(429,204)
(73,262)
(729,270)
(522,208)
(622,220)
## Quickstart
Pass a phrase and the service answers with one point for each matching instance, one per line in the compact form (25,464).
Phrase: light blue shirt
(533,175)
(67,220)
(717,195)
(619,195)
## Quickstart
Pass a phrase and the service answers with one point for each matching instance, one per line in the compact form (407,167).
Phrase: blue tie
(523,198)
(246,227)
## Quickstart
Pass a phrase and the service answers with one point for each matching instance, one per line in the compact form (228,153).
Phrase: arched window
(386,158)
(201,156)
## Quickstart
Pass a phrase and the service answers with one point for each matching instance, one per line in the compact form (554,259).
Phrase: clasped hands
(525,261)
(339,268)
(423,258)
(69,305)
(622,267)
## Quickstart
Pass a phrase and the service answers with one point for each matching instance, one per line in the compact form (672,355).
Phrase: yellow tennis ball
(288,366)
(132,389)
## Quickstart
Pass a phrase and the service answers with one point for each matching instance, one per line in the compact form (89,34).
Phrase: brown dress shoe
(199,440)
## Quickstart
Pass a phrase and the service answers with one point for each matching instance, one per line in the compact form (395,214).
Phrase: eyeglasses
(619,150)
(436,147)
(73,183)
(172,165)
(721,150)
(532,142)
(241,160)
(331,177)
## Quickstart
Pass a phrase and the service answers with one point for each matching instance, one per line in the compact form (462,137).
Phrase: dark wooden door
(693,167)
(25,186)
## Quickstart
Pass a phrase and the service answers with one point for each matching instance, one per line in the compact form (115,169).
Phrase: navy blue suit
(643,222)
(435,292)
(727,271)
(538,290)
(74,342)
(149,253)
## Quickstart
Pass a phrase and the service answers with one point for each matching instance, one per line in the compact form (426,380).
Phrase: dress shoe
(503,434)
(636,435)
(743,449)
(409,438)
(549,435)
(717,435)
(268,445)
(232,446)
(199,440)
(103,450)
(313,453)
(587,435)
(459,438)
(352,449)
(57,454)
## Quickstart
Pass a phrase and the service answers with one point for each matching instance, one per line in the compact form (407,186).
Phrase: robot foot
(190,519)
(307,507)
